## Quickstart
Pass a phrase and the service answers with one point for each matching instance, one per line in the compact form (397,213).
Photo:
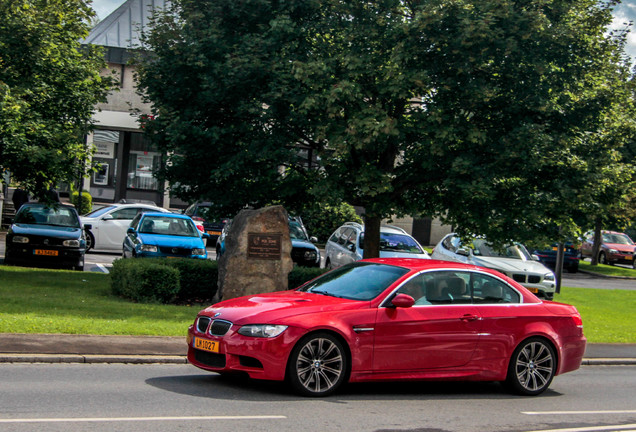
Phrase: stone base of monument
(257,257)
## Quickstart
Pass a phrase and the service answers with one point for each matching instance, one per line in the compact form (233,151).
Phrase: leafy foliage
(49,86)
(506,119)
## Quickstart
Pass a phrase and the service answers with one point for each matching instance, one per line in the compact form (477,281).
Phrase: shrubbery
(184,280)
(87,202)
(322,220)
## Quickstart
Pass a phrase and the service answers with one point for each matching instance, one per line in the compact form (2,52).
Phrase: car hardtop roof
(418,264)
(41,204)
(161,214)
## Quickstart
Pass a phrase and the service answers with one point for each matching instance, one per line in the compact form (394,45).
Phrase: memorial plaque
(264,246)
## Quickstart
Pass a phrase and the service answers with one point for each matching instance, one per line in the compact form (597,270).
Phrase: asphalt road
(103,397)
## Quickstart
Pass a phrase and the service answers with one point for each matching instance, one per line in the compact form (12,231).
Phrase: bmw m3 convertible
(391,319)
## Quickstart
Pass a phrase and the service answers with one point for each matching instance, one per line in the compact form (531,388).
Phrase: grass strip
(60,301)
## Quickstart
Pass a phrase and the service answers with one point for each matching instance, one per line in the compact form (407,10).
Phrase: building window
(141,166)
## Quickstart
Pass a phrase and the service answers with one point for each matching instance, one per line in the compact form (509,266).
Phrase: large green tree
(482,112)
(49,86)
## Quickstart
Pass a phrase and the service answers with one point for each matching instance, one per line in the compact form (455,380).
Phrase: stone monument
(257,257)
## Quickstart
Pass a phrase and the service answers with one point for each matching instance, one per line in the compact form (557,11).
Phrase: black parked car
(46,235)
(199,213)
(571,256)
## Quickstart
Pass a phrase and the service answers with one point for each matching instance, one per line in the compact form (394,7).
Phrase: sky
(624,13)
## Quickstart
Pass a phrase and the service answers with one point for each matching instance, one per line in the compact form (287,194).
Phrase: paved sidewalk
(62,348)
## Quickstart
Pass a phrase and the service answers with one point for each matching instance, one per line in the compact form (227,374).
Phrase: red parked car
(616,248)
(391,319)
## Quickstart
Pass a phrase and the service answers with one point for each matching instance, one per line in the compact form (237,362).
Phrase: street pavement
(66,348)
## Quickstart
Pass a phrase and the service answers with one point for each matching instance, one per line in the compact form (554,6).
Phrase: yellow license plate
(628,257)
(206,345)
(46,252)
(214,232)
(533,290)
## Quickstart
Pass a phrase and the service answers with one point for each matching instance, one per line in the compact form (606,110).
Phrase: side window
(488,290)
(135,221)
(334,237)
(344,236)
(125,213)
(440,287)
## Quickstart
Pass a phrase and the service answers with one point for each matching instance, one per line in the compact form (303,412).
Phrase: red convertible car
(392,319)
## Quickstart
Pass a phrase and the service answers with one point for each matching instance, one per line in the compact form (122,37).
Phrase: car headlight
(613,251)
(20,239)
(71,243)
(198,251)
(310,256)
(548,276)
(148,248)
(262,330)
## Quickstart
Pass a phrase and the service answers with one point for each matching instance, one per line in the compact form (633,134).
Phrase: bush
(300,275)
(173,281)
(87,202)
(322,220)
(144,280)
(183,280)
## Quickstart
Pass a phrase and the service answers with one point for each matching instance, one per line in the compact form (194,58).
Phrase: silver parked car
(346,245)
(514,261)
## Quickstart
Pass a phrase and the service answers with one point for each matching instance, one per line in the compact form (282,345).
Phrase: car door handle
(469,317)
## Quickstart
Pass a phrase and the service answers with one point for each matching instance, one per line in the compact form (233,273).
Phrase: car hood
(621,247)
(46,231)
(303,244)
(510,265)
(276,306)
(172,241)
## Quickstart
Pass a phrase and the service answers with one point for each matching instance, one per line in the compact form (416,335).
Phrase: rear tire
(532,367)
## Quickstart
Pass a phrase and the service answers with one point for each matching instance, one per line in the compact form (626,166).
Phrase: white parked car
(109,224)
(514,261)
(346,245)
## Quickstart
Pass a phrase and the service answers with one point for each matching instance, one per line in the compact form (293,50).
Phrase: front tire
(317,365)
(532,367)
(90,240)
(602,259)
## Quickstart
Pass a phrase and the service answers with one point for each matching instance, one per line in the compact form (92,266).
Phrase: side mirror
(463,252)
(108,217)
(88,226)
(535,257)
(313,239)
(403,301)
(130,230)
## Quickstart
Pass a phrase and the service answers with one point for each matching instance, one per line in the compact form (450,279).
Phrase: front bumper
(260,358)
(56,256)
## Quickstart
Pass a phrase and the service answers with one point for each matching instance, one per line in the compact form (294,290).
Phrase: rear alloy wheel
(317,365)
(532,367)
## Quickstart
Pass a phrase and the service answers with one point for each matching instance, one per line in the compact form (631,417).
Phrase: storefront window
(141,166)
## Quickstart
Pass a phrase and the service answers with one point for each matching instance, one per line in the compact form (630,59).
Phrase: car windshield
(296,232)
(41,215)
(396,243)
(357,281)
(100,211)
(515,251)
(167,225)
(622,239)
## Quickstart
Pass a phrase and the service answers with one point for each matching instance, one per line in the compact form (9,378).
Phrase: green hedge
(183,280)
(87,202)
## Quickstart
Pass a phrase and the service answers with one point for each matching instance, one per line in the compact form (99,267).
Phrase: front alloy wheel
(317,365)
(602,259)
(532,367)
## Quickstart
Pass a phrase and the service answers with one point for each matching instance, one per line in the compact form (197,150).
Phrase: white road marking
(138,419)
(613,428)
(578,412)
(102,268)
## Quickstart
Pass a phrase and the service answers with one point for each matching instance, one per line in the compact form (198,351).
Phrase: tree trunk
(371,236)
(597,241)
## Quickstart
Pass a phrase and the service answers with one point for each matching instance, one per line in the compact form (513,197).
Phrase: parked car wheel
(532,367)
(602,259)
(90,240)
(317,365)
(328,264)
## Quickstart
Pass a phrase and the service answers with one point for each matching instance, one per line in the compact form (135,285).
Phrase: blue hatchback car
(156,235)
